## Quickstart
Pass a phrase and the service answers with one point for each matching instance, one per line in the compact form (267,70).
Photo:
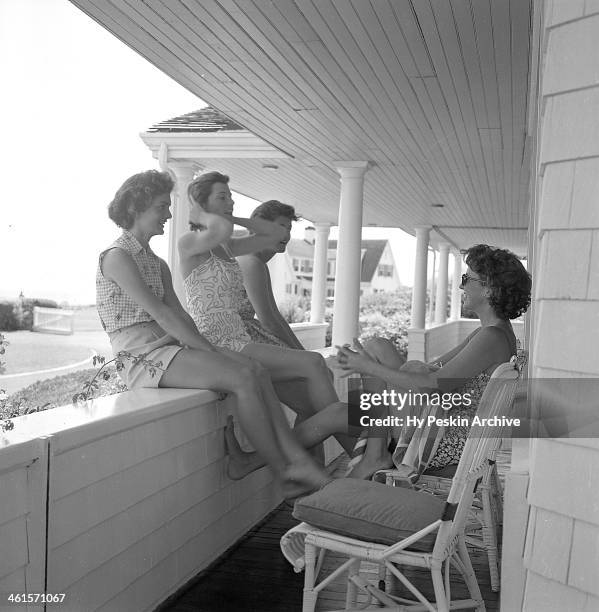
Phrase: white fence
(53,320)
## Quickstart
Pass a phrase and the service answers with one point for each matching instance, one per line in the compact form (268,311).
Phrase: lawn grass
(29,352)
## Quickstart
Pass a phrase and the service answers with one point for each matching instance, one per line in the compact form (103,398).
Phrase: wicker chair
(449,545)
(486,515)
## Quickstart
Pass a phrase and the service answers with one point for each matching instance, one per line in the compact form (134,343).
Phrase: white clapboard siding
(23,478)
(139,503)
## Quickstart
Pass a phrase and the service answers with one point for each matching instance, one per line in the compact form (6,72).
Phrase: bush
(9,320)
(386,315)
(18,314)
(58,391)
(295,309)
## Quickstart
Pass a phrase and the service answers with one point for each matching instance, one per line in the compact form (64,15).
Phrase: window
(295,263)
(307,265)
(385,270)
(295,288)
(288,288)
(331,267)
(330,292)
(306,292)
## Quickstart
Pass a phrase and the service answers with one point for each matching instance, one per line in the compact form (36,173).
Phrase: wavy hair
(503,272)
(136,194)
(200,188)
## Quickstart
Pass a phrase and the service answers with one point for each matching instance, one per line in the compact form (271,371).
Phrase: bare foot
(240,463)
(365,469)
(301,479)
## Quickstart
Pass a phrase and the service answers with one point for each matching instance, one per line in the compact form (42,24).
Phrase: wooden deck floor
(255,577)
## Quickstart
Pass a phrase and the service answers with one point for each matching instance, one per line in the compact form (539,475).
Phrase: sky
(74,102)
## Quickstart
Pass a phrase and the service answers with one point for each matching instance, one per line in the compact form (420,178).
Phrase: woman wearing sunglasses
(496,288)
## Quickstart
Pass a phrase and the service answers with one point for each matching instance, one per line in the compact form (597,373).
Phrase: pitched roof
(372,256)
(373,252)
(297,247)
(204,120)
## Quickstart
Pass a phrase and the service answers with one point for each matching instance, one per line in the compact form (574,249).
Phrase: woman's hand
(356,361)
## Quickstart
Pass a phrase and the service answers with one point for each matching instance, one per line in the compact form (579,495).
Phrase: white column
(347,279)
(419,292)
(319,273)
(184,172)
(441,299)
(431,290)
(456,298)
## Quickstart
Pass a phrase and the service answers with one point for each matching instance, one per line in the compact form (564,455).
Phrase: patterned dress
(451,445)
(215,293)
(219,305)
(254,328)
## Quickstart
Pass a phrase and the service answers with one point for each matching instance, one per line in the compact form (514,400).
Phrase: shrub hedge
(18,314)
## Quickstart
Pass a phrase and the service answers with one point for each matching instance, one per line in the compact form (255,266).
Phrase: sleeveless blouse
(115,308)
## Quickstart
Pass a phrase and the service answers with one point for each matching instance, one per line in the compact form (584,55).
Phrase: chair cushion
(371,511)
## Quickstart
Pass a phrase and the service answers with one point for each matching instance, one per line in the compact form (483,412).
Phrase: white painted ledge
(311,335)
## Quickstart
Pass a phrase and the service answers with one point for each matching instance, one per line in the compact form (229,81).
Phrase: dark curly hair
(136,194)
(272,209)
(506,277)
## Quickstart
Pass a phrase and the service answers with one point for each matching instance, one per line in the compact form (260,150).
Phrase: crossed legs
(284,364)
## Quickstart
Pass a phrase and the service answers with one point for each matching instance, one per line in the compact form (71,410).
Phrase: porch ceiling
(432,92)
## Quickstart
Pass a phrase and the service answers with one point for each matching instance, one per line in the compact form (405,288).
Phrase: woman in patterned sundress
(215,292)
(497,288)
(144,319)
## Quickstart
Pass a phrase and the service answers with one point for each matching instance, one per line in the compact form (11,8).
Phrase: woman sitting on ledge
(216,296)
(143,318)
(497,288)
(270,327)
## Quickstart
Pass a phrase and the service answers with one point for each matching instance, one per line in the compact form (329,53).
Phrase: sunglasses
(466,278)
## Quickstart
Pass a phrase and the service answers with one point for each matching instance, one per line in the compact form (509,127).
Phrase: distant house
(291,272)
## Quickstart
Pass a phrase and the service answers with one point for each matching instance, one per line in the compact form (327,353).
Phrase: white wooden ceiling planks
(433,92)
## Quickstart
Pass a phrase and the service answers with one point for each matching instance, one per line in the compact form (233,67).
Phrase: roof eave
(195,146)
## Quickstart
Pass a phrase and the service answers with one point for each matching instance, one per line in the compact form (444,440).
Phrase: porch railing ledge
(135,480)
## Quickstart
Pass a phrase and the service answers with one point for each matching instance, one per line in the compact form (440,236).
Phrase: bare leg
(383,351)
(286,364)
(294,451)
(294,394)
(308,433)
(258,412)
(377,457)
